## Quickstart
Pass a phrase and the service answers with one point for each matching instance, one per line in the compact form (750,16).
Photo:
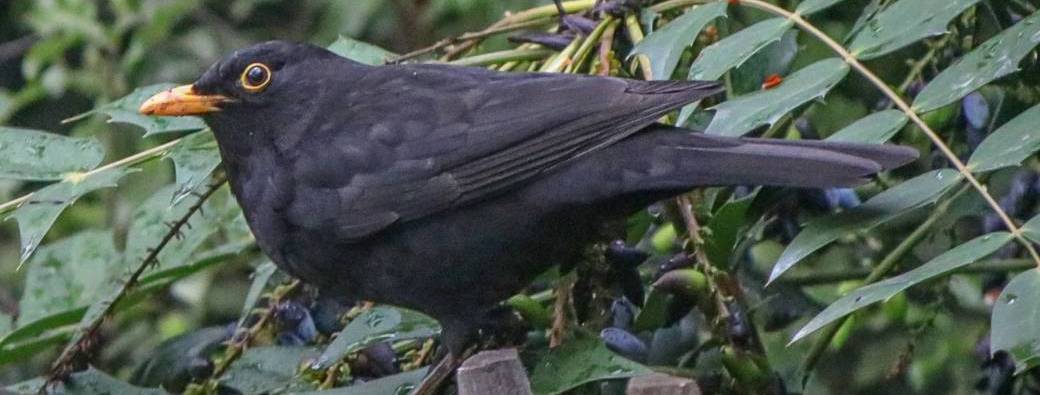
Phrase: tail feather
(665,160)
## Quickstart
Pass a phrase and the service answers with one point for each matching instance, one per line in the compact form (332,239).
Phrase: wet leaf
(743,114)
(35,155)
(875,128)
(36,216)
(665,46)
(962,255)
(360,51)
(378,324)
(270,369)
(194,158)
(812,6)
(261,276)
(96,382)
(717,59)
(1016,320)
(914,193)
(1031,229)
(904,23)
(768,64)
(68,273)
(578,361)
(125,111)
(995,58)
(148,284)
(400,383)
(1009,145)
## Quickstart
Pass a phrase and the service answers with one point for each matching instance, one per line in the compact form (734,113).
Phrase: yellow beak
(182,100)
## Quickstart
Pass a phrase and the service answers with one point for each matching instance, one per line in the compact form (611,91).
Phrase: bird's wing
(438,137)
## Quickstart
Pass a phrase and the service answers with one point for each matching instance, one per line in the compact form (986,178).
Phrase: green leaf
(25,350)
(31,386)
(270,369)
(34,155)
(962,255)
(261,276)
(88,382)
(378,324)
(904,23)
(125,111)
(151,222)
(995,58)
(149,283)
(41,325)
(359,51)
(812,6)
(581,360)
(654,313)
(914,193)
(1016,320)
(68,273)
(169,364)
(665,46)
(36,216)
(6,323)
(1031,229)
(875,128)
(401,383)
(194,158)
(725,226)
(96,382)
(717,59)
(1009,145)
(743,114)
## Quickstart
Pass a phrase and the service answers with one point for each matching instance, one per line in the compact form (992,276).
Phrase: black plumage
(447,189)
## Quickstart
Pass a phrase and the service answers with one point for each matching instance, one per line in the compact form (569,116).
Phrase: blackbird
(447,189)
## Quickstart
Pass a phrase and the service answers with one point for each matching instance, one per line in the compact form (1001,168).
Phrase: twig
(520,20)
(851,59)
(561,310)
(444,43)
(79,345)
(238,345)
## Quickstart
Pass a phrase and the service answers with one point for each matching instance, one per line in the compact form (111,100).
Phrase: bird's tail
(666,160)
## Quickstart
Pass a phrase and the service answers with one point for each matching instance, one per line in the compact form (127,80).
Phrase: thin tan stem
(131,160)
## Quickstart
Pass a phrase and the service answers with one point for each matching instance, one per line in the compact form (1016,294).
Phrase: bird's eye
(256,77)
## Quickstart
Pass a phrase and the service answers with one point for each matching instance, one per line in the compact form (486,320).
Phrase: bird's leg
(499,327)
(439,374)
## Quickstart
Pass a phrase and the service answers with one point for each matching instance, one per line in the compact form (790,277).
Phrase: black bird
(447,189)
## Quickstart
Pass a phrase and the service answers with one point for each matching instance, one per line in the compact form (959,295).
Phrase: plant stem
(503,57)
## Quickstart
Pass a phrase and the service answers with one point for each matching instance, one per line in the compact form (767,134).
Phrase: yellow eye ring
(256,77)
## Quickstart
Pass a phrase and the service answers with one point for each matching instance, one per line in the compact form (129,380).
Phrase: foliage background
(59,59)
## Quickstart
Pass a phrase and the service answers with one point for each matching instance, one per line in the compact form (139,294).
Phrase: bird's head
(271,83)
